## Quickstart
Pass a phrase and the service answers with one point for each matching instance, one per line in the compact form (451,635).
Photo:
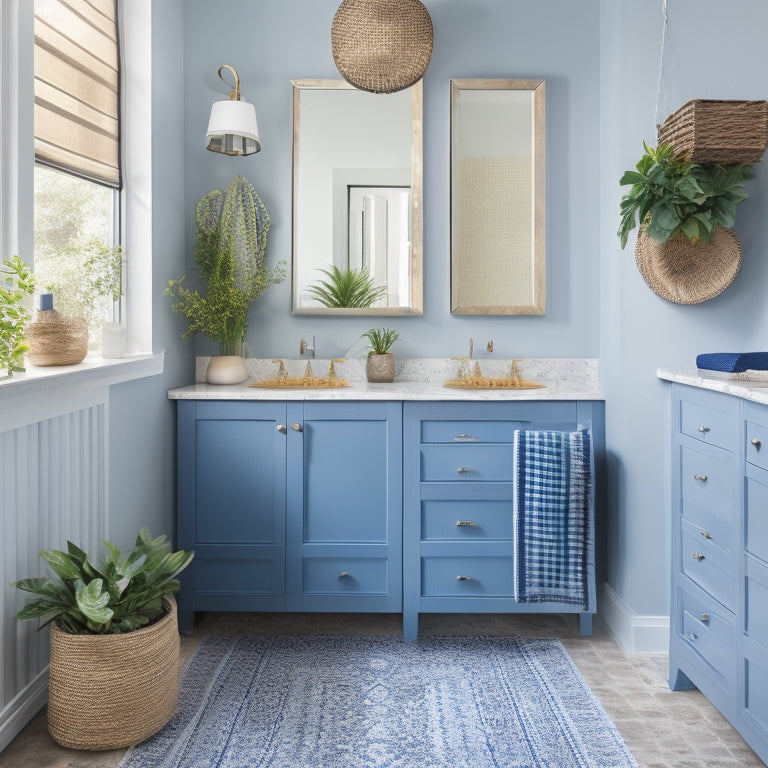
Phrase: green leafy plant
(670,195)
(380,339)
(122,594)
(346,288)
(230,252)
(16,280)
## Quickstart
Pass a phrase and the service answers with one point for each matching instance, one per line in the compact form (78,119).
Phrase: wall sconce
(382,46)
(232,129)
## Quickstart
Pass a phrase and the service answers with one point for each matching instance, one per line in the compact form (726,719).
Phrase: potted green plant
(114,641)
(380,365)
(16,280)
(686,249)
(230,253)
(347,288)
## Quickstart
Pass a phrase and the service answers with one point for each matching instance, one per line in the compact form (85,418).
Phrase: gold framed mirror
(357,198)
(498,197)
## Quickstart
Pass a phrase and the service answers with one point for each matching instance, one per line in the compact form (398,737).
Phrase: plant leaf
(92,601)
(63,564)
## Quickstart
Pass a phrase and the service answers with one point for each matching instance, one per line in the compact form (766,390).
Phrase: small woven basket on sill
(113,691)
(686,273)
(710,131)
(382,46)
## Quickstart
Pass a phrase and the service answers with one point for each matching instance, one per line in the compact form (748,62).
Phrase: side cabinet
(459,536)
(290,506)
(719,605)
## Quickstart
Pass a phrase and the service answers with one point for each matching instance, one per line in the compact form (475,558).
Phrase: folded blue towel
(552,481)
(733,362)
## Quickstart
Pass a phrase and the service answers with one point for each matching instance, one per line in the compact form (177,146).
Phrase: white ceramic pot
(226,369)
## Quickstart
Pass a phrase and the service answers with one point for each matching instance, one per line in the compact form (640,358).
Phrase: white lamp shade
(232,128)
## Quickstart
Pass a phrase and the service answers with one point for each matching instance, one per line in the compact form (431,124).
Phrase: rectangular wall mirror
(357,197)
(498,201)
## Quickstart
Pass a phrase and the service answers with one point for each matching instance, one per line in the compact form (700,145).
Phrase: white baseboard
(635,634)
(23,708)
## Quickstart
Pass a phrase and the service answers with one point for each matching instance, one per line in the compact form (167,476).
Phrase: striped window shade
(77,75)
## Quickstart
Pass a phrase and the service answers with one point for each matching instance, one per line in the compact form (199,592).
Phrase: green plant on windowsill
(348,288)
(671,196)
(16,280)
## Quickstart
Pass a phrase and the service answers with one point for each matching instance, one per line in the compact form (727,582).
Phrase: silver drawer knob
(344,575)
(465,578)
(703,429)
(698,556)
(464,470)
(296,427)
(462,436)
(704,618)
(465,523)
(703,478)
(756,443)
(706,534)
(281,428)
(691,635)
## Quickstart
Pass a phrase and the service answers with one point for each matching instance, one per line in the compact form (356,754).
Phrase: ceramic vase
(380,369)
(229,366)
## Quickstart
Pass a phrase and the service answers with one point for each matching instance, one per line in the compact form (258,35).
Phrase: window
(77,174)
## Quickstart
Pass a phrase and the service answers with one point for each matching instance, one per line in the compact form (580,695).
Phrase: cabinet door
(344,506)
(232,504)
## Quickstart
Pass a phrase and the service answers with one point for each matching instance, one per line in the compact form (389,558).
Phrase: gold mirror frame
(415,305)
(485,277)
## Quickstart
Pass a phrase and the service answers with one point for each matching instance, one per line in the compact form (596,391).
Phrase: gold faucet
(281,369)
(331,369)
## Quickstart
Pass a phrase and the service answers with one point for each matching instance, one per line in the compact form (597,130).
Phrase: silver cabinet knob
(464,470)
(703,429)
(344,575)
(704,618)
(706,534)
(465,523)
(691,635)
(465,578)
(703,478)
(698,556)
(281,428)
(463,436)
(296,427)
(756,443)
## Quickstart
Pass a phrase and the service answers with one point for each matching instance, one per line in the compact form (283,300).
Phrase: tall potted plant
(114,641)
(230,252)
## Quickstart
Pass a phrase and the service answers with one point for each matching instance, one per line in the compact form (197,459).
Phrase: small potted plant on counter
(114,641)
(380,366)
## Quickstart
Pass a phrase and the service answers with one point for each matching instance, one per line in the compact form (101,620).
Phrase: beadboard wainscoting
(53,487)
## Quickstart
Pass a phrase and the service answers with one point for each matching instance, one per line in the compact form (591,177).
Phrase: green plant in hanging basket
(671,196)
(230,252)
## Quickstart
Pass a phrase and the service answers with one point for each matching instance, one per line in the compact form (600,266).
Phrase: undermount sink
(307,381)
(477,380)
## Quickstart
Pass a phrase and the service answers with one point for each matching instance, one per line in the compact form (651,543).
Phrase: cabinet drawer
(714,421)
(756,518)
(468,431)
(466,520)
(753,706)
(706,480)
(756,444)
(467,463)
(710,631)
(714,525)
(467,577)
(756,602)
(710,567)
(344,575)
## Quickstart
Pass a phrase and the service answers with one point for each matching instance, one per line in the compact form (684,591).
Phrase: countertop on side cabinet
(757,391)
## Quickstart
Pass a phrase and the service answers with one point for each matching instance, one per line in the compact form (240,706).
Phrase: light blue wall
(142,444)
(715,50)
(270,43)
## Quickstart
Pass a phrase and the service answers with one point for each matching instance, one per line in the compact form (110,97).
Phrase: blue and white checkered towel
(551,508)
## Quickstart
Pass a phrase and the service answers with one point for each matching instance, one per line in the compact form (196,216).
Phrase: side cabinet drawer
(467,576)
(707,480)
(469,431)
(344,575)
(710,418)
(756,444)
(460,520)
(710,567)
(467,463)
(756,515)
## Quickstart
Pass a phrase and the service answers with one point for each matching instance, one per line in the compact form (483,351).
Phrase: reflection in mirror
(498,248)
(357,187)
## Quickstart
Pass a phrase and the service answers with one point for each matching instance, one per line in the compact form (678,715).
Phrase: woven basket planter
(382,46)
(112,691)
(57,340)
(686,273)
(710,131)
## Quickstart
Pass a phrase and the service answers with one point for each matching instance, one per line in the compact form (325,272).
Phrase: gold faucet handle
(281,370)
(331,369)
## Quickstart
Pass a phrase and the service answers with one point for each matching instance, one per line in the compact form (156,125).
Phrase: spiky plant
(348,288)
(381,340)
(122,594)
(230,252)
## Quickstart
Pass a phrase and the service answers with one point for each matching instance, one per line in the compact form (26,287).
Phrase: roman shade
(77,128)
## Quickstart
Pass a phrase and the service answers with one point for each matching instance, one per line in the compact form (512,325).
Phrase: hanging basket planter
(686,273)
(382,46)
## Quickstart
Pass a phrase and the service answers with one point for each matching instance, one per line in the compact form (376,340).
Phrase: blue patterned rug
(322,702)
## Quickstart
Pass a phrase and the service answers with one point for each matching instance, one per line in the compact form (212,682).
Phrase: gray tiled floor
(662,729)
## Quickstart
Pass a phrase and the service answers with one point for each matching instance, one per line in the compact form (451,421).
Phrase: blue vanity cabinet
(458,529)
(719,605)
(231,506)
(344,524)
(290,506)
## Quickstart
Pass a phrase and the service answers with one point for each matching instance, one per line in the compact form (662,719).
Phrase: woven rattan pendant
(382,46)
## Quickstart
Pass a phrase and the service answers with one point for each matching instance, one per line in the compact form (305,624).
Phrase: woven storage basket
(382,46)
(57,340)
(708,131)
(684,273)
(112,691)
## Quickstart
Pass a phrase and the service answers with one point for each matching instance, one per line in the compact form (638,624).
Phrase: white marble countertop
(751,385)
(563,379)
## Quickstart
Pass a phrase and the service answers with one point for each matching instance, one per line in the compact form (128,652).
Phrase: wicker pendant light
(382,46)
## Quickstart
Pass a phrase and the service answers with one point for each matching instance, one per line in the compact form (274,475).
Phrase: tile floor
(662,729)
